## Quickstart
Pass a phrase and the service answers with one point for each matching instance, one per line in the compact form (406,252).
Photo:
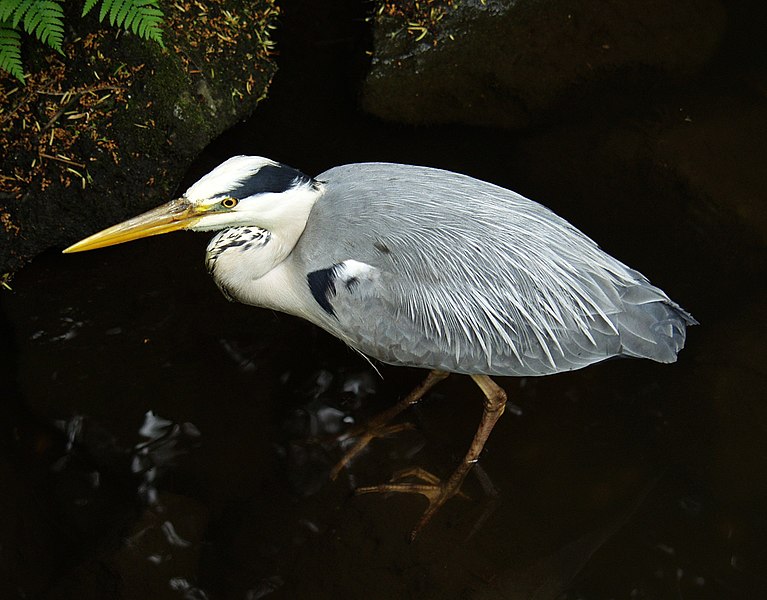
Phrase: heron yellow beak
(176,214)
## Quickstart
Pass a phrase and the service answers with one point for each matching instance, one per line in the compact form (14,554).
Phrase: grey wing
(430,325)
(433,269)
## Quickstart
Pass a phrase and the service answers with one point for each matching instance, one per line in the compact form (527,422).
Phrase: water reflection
(318,428)
(165,442)
(222,490)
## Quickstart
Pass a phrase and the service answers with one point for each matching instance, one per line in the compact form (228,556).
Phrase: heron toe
(361,438)
(379,425)
(430,486)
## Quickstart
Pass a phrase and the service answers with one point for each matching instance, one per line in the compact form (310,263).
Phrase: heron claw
(431,487)
(362,438)
(379,427)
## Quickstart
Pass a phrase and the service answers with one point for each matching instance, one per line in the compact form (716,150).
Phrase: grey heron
(419,267)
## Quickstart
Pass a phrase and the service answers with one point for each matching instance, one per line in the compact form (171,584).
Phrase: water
(165,443)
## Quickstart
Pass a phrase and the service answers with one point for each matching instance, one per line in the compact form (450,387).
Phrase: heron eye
(229,202)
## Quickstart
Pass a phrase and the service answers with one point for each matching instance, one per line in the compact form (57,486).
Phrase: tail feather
(655,327)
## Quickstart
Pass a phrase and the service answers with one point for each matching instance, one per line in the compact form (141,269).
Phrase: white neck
(238,268)
(286,219)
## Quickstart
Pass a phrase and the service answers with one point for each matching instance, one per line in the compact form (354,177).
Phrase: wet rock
(717,148)
(509,62)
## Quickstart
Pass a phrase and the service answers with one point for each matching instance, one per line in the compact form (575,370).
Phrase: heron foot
(362,437)
(435,491)
(428,485)
(379,426)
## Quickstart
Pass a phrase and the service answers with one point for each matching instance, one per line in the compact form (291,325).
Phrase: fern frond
(142,17)
(148,26)
(21,8)
(105,6)
(42,18)
(121,14)
(116,7)
(7,8)
(10,50)
(89,4)
(45,20)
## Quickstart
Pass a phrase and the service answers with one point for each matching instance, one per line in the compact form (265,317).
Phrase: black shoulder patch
(322,284)
(270,178)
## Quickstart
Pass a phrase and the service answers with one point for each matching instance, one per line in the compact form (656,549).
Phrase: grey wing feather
(456,274)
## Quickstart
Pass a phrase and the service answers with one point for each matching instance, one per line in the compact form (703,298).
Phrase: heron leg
(379,425)
(436,491)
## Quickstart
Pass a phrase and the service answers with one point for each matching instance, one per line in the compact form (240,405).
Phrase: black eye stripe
(271,178)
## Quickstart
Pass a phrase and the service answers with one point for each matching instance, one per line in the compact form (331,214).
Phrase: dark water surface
(164,443)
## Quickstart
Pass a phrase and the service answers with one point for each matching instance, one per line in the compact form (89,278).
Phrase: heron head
(243,190)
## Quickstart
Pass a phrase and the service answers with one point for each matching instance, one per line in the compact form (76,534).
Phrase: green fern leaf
(142,17)
(105,6)
(122,14)
(45,20)
(89,4)
(128,20)
(117,5)
(10,50)
(21,9)
(147,23)
(7,8)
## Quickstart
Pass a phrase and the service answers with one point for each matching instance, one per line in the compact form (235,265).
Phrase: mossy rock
(110,128)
